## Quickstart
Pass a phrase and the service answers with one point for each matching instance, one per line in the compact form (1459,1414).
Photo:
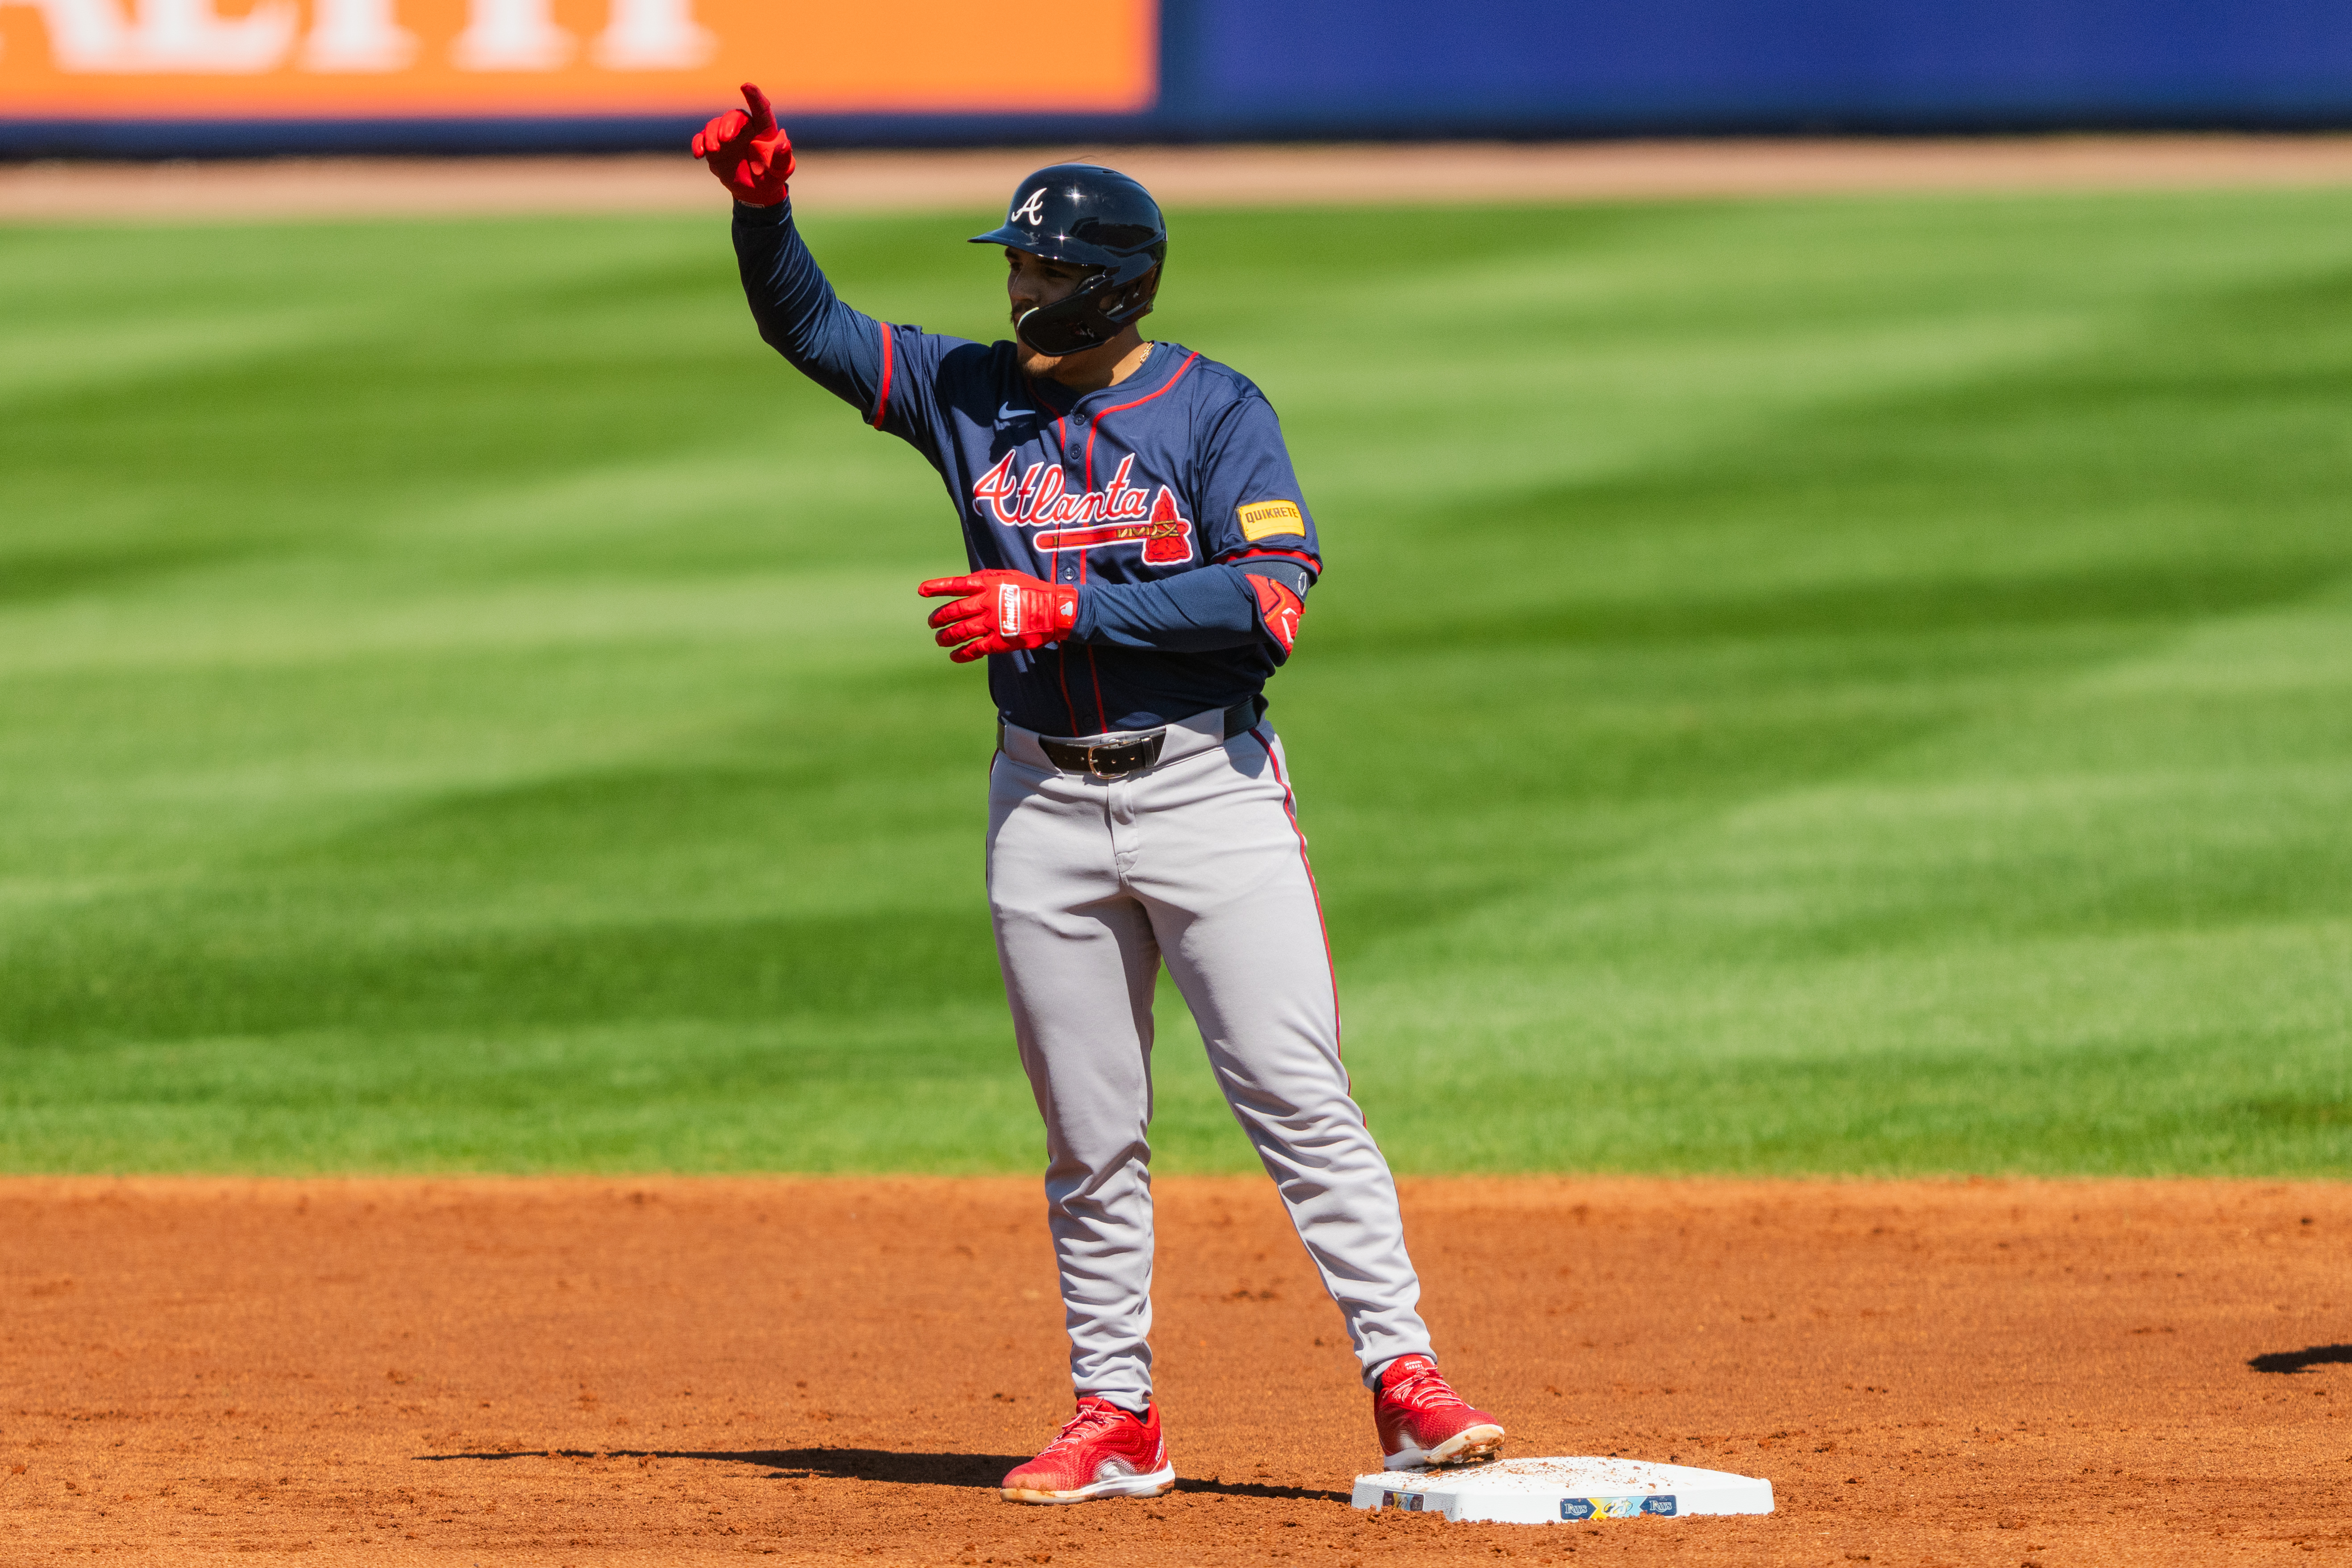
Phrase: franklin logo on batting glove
(996,612)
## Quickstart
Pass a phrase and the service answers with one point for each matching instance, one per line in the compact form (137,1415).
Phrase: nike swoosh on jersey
(1008,413)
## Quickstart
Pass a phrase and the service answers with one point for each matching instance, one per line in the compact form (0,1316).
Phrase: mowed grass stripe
(1810,686)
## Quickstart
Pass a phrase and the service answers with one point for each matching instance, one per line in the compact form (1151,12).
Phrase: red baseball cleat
(1102,1452)
(1423,1422)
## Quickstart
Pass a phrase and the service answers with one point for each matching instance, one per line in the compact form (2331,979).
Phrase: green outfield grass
(1841,686)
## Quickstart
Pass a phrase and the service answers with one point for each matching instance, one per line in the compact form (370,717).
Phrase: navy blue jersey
(1169,498)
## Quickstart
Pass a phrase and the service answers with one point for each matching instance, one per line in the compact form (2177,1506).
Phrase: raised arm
(799,316)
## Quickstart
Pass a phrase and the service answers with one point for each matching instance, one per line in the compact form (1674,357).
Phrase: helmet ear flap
(1145,292)
(1123,304)
(1094,312)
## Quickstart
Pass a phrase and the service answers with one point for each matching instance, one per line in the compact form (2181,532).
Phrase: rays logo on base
(1577,1508)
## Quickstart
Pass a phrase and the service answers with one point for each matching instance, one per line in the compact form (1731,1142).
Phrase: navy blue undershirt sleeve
(798,313)
(1198,611)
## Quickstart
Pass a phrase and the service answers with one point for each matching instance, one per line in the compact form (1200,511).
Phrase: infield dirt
(604,1371)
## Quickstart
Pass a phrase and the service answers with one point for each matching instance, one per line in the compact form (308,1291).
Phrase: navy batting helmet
(1086,216)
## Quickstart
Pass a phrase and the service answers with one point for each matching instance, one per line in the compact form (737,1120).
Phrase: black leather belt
(1105,759)
(1132,754)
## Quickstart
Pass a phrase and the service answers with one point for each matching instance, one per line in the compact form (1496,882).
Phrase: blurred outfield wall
(193,77)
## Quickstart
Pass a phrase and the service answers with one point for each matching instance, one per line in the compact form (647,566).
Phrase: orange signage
(339,59)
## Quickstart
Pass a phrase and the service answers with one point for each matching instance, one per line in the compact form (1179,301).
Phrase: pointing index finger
(763,113)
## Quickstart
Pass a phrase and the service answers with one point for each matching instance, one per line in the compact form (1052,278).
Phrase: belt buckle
(1105,759)
(1118,759)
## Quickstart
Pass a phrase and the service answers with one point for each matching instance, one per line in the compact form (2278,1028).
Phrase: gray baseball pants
(1197,861)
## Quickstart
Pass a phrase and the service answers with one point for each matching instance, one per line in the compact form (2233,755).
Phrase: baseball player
(1140,556)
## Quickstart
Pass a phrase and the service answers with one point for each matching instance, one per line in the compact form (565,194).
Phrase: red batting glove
(749,155)
(999,611)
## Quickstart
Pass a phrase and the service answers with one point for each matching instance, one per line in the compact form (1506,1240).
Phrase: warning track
(592,1370)
(1416,174)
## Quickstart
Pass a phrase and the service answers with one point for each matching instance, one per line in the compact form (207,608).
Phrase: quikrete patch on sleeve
(1264,519)
(1278,608)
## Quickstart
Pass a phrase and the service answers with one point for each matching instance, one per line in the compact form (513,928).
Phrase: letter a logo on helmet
(1031,212)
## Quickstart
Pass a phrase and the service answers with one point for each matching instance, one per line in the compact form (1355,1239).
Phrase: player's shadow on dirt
(2292,1362)
(1259,1489)
(882,1465)
(848,1464)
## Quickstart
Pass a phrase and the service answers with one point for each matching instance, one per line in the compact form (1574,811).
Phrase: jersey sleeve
(1250,501)
(1199,611)
(890,374)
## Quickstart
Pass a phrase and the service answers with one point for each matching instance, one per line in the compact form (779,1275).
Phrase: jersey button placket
(1072,475)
